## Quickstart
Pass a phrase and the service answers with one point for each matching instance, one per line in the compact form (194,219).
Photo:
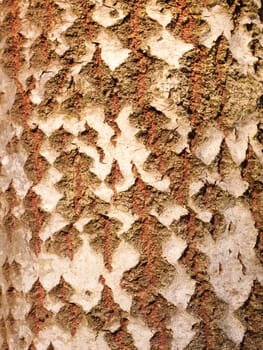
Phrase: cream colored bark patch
(13,166)
(8,94)
(237,140)
(108,13)
(168,48)
(233,264)
(219,22)
(37,94)
(171,212)
(140,333)
(63,340)
(210,147)
(49,195)
(179,293)
(56,34)
(173,249)
(233,327)
(233,183)
(158,13)
(112,52)
(239,46)
(182,325)
(124,259)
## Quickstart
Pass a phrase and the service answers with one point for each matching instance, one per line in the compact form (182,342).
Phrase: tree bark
(131,174)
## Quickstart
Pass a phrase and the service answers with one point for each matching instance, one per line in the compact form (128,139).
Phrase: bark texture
(131,174)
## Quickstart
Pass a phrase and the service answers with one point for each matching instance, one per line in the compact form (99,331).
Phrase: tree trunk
(131,174)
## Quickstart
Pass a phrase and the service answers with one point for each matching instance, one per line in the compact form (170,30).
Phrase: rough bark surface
(131,174)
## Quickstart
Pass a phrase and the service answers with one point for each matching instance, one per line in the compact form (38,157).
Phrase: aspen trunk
(131,174)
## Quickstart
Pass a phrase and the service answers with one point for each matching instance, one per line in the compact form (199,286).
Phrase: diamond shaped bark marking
(38,315)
